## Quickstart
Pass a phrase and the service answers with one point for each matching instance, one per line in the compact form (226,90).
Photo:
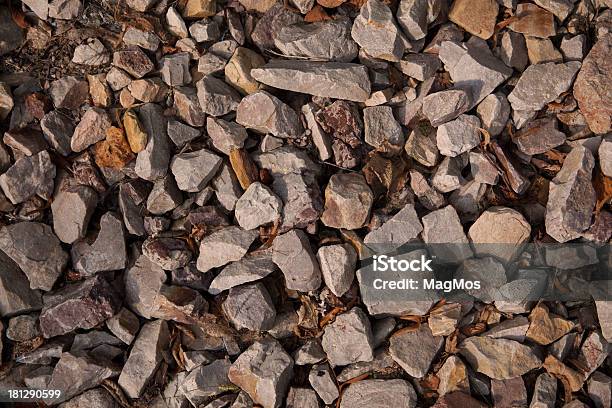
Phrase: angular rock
(257,206)
(546,327)
(143,282)
(428,196)
(176,24)
(99,90)
(72,209)
(205,30)
(338,263)
(68,92)
(144,39)
(592,89)
(515,179)
(413,16)
(348,339)
(114,152)
(6,101)
(225,135)
(302,398)
(337,80)
(25,141)
(541,50)
(476,17)
(29,176)
(145,357)
(593,353)
(181,134)
(541,84)
(458,136)
(539,136)
(293,255)
(376,32)
(37,251)
(97,397)
(117,79)
(443,227)
(379,393)
(348,200)
(134,61)
(192,171)
(91,129)
(500,359)
(533,21)
(252,267)
(605,156)
(574,48)
(494,112)
(382,130)
(148,89)
(571,197)
(174,69)
(226,188)
(206,381)
(453,376)
(165,196)
(398,230)
(250,307)
(136,136)
(322,380)
(421,146)
(414,351)
(502,242)
(322,40)
(509,393)
(188,106)
(238,70)
(216,97)
(81,305)
(92,53)
(199,8)
(447,176)
(224,246)
(513,50)
(152,162)
(106,253)
(166,252)
(545,392)
(600,389)
(16,297)
(264,371)
(266,113)
(574,379)
(560,8)
(483,168)
(124,325)
(440,107)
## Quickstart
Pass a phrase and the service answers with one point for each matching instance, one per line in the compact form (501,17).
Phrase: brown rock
(99,90)
(539,136)
(477,17)
(238,70)
(136,136)
(546,327)
(115,151)
(200,8)
(555,367)
(534,21)
(348,200)
(91,129)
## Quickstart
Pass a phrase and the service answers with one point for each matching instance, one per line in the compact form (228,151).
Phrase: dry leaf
(246,170)
(331,316)
(18,17)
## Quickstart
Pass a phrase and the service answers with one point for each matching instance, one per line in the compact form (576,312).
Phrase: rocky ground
(187,189)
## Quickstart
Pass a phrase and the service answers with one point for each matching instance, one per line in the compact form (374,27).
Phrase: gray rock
(419,66)
(192,171)
(106,253)
(453,376)
(211,64)
(144,39)
(509,393)
(593,352)
(323,40)
(216,97)
(57,130)
(293,255)
(379,393)
(539,136)
(561,348)
(11,35)
(302,202)
(225,135)
(206,381)
(92,53)
(134,61)
(473,68)
(25,141)
(68,92)
(348,200)
(72,209)
(511,329)
(428,196)
(167,252)
(143,282)
(257,206)
(181,134)
(500,359)
(16,297)
(421,146)
(599,388)
(264,371)
(152,162)
(338,264)
(81,305)
(541,84)
(145,357)
(458,136)
(37,251)
(440,107)
(544,392)
(286,160)
(571,197)
(302,398)
(6,101)
(75,374)
(494,112)
(224,246)
(165,196)
(250,307)
(205,30)
(483,168)
(322,380)
(382,130)
(97,397)
(188,107)
(414,351)
(376,32)
(29,176)
(226,187)
(413,17)
(513,50)
(320,139)
(124,325)
(265,113)
(174,69)
(176,24)
(252,267)
(117,78)
(336,80)
(398,230)
(443,227)
(310,353)
(91,129)
(348,339)
(605,156)
(447,176)
(491,275)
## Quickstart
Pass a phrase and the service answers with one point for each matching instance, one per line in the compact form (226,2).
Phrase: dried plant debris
(192,193)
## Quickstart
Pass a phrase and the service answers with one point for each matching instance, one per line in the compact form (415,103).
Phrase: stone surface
(302,397)
(10,33)
(376,32)
(250,307)
(143,39)
(348,339)
(348,201)
(29,176)
(193,170)
(224,246)
(145,357)
(398,230)
(476,17)
(325,79)
(321,379)
(513,50)
(152,162)
(453,376)
(600,389)
(382,130)
(539,136)
(6,101)
(72,209)
(509,393)
(174,69)
(574,48)
(168,253)
(206,381)
(592,87)
(421,146)
(216,97)
(68,92)
(541,50)
(338,263)
(443,227)
(16,297)
(134,61)
(225,135)
(545,392)
(165,196)
(458,136)
(494,112)
(124,325)
(499,359)
(379,393)
(533,21)
(81,305)
(238,70)
(265,113)
(143,282)
(264,371)
(293,255)
(571,197)
(252,267)
(414,351)
(257,206)
(92,53)
(91,129)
